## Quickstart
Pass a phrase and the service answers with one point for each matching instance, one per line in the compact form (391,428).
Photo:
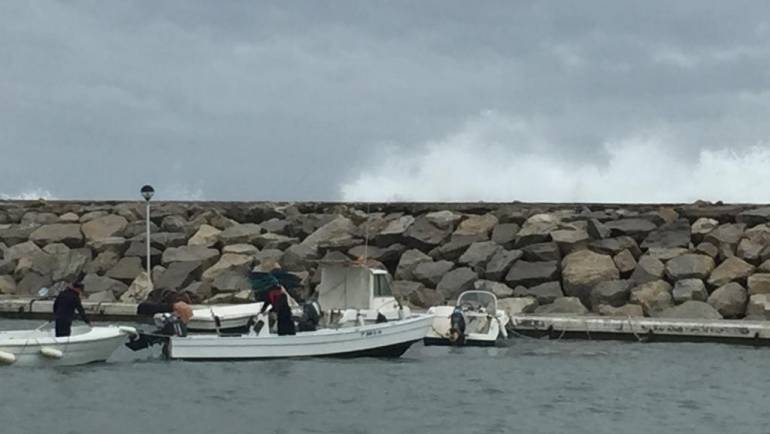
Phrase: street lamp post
(147,193)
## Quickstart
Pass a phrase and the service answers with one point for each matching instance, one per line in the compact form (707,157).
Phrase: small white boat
(224,318)
(41,347)
(386,339)
(474,321)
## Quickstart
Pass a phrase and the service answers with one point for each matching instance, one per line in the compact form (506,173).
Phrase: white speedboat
(41,348)
(385,339)
(474,321)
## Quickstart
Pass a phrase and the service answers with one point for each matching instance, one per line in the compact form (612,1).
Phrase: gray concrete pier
(643,329)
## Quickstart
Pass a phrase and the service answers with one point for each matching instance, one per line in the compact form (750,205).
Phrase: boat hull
(42,349)
(390,339)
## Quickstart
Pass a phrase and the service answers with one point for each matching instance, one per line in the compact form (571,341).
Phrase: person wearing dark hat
(64,307)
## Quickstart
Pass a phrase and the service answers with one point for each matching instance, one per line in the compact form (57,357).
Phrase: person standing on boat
(67,302)
(276,298)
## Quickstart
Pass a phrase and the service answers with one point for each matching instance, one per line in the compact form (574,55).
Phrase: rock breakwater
(695,260)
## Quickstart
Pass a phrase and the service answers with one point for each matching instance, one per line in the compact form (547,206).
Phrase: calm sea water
(532,386)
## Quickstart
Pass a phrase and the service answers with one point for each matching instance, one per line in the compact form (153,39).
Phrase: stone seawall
(691,261)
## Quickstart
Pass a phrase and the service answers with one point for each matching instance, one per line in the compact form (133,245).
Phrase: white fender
(128,330)
(51,353)
(7,358)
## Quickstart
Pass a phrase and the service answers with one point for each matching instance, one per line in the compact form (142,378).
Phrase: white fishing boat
(474,321)
(385,339)
(351,293)
(40,347)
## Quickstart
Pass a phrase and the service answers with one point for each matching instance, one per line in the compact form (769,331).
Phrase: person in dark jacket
(67,302)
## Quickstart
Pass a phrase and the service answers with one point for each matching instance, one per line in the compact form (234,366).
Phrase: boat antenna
(366,235)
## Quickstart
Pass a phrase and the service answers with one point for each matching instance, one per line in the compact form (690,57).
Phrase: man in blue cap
(67,302)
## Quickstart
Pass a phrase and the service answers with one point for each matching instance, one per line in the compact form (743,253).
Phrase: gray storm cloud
(596,100)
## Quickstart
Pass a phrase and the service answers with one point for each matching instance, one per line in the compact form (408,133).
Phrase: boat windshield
(477,300)
(381,286)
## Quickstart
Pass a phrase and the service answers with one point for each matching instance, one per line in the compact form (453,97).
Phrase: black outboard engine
(457,327)
(170,325)
(311,316)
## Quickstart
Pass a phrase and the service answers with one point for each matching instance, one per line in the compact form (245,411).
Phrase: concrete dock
(43,309)
(643,329)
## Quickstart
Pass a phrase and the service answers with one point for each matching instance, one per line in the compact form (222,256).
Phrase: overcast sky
(417,100)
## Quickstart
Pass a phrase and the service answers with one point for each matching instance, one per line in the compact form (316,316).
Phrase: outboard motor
(311,316)
(457,327)
(170,324)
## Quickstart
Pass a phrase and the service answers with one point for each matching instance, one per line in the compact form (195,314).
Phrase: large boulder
(613,246)
(178,275)
(598,230)
(690,309)
(456,281)
(394,231)
(15,234)
(730,300)
(729,233)
(246,233)
(93,284)
(564,305)
(648,269)
(749,251)
(42,264)
(206,235)
(275,241)
(665,254)
(476,227)
(298,257)
(403,289)
(528,273)
(7,284)
(500,263)
(625,311)
(105,227)
(689,289)
(424,235)
(408,262)
(115,244)
(501,290)
(701,227)
(625,263)
(240,249)
(537,229)
(707,249)
(758,307)
(174,223)
(759,283)
(570,240)
(584,269)
(653,296)
(636,228)
(689,266)
(228,262)
(231,281)
(671,235)
(65,233)
(544,293)
(444,219)
(31,283)
(542,252)
(732,269)
(753,217)
(504,234)
(431,273)
(452,250)
(479,254)
(426,297)
(138,291)
(517,305)
(126,270)
(207,257)
(17,251)
(611,293)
